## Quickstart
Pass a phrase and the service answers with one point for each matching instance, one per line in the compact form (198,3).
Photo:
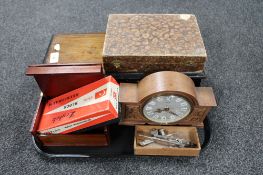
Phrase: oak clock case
(165,98)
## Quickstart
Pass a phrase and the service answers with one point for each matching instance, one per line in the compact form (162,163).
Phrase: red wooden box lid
(57,79)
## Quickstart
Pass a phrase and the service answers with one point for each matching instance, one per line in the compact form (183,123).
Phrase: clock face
(166,109)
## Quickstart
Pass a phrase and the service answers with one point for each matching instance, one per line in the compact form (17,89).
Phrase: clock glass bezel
(176,119)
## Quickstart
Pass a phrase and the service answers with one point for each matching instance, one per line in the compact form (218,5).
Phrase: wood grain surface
(77,48)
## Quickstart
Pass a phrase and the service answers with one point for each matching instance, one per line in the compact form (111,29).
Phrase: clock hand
(171,112)
(167,109)
(159,110)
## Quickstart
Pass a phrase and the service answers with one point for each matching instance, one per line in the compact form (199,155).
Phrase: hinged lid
(154,36)
(57,79)
(150,43)
(72,61)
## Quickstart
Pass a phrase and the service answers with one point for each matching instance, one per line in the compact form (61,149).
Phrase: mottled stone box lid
(153,42)
(154,35)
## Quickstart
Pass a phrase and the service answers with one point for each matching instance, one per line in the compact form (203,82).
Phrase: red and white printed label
(83,107)
(64,128)
(85,100)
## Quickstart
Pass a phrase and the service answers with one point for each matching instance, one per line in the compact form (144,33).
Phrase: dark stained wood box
(153,42)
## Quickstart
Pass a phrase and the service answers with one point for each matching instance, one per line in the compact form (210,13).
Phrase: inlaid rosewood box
(153,42)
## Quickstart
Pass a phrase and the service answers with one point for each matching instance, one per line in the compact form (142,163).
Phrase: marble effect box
(153,42)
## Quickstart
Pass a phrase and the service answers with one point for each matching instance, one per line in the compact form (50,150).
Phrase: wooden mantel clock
(165,98)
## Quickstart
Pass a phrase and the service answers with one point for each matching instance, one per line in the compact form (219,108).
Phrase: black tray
(122,137)
(122,140)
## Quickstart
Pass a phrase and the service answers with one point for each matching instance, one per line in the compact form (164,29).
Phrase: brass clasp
(116,63)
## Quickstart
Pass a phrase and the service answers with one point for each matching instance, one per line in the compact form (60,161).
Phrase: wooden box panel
(97,137)
(77,48)
(153,42)
(159,150)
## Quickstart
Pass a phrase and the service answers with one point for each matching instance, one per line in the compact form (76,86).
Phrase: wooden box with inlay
(153,42)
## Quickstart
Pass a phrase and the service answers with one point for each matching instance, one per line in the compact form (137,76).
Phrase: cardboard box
(84,107)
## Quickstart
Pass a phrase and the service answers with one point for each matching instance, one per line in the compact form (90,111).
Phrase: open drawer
(90,138)
(158,147)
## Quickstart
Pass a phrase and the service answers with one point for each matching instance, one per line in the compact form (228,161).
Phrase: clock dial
(166,109)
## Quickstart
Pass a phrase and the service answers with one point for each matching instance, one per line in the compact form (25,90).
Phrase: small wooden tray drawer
(188,133)
(96,137)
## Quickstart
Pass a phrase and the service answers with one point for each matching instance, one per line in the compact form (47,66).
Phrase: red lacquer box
(55,80)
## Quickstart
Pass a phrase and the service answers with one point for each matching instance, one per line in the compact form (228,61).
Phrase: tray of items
(88,121)
(98,99)
(123,144)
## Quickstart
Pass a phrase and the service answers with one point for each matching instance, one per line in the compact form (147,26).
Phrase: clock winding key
(145,142)
(161,132)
